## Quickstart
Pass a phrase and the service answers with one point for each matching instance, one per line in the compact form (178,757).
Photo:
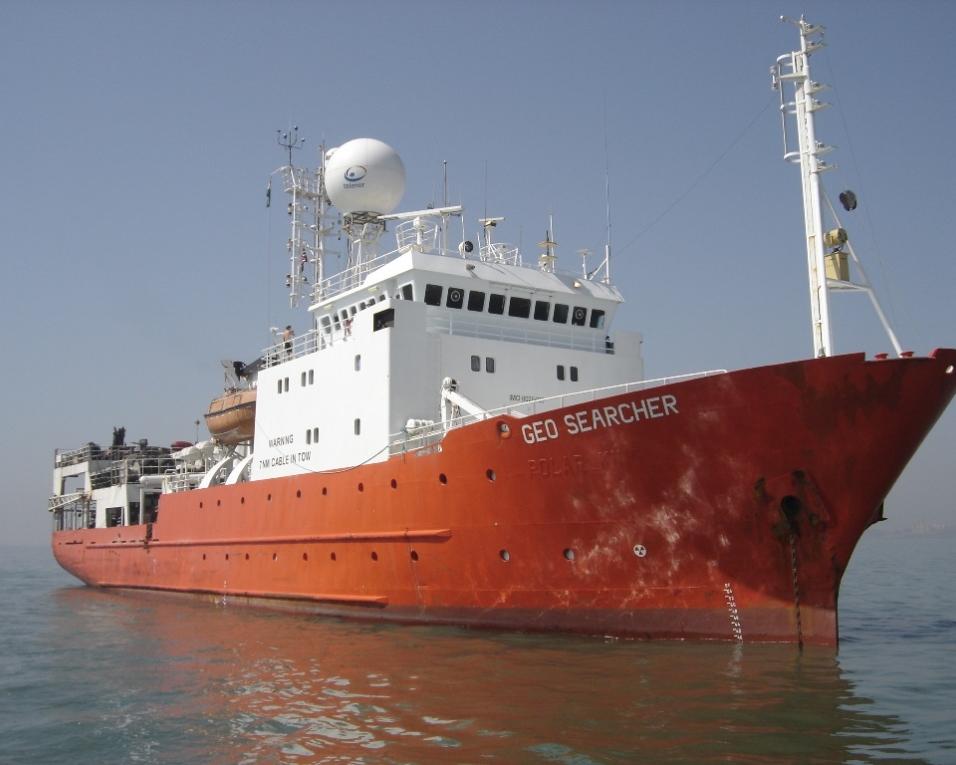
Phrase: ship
(462,437)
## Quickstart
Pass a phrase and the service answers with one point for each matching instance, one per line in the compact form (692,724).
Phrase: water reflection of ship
(254,684)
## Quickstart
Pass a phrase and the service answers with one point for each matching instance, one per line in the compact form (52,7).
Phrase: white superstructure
(389,328)
(389,331)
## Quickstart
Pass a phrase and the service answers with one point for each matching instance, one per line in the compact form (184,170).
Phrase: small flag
(269,194)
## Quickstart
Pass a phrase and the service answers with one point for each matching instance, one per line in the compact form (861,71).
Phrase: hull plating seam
(437,535)
(358,600)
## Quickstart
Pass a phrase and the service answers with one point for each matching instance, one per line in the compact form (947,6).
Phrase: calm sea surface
(99,677)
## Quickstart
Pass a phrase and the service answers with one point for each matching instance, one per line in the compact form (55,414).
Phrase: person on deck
(287,337)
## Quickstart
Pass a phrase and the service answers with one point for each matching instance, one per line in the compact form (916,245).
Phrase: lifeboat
(231,418)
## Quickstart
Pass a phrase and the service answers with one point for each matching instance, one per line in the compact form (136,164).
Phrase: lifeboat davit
(231,418)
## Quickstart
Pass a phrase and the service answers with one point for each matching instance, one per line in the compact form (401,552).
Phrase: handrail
(538,333)
(404,441)
(300,345)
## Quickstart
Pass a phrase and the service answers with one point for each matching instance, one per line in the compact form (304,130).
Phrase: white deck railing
(432,434)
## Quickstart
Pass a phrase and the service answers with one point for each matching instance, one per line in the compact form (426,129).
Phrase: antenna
(547,258)
(289,139)
(444,203)
(307,211)
(828,251)
(607,202)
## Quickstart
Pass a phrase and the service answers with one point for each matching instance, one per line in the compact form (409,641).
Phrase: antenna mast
(794,69)
(607,202)
(307,211)
(828,252)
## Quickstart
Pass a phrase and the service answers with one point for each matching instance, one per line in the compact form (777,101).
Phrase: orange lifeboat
(231,418)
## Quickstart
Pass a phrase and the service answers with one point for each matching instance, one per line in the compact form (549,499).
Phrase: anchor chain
(796,587)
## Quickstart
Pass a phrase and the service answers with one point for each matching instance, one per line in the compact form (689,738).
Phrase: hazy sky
(137,138)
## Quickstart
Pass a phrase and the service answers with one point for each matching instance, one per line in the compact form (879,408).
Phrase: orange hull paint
(731,516)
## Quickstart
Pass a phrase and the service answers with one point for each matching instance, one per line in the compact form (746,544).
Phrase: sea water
(93,676)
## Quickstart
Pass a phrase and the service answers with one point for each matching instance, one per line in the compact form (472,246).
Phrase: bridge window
(476,301)
(408,292)
(311,377)
(433,294)
(578,316)
(541,310)
(304,377)
(383,319)
(520,307)
(597,319)
(560,371)
(456,296)
(489,364)
(315,435)
(476,363)
(496,304)
(574,374)
(560,314)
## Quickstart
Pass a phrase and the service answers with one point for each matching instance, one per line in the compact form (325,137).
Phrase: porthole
(949,369)
(204,556)
(268,497)
(305,556)
(394,484)
(298,494)
(361,487)
(325,490)
(218,503)
(200,505)
(374,555)
(568,554)
(490,474)
(442,478)
(247,556)
(331,556)
(242,500)
(227,556)
(275,556)
(504,555)
(414,555)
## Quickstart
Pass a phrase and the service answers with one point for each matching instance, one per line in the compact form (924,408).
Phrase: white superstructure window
(358,362)
(357,426)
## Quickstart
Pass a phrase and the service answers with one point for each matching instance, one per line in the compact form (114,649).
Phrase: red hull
(724,507)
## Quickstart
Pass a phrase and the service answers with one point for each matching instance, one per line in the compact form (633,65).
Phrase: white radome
(364,175)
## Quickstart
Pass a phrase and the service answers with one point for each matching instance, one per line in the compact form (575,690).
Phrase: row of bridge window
(518,307)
